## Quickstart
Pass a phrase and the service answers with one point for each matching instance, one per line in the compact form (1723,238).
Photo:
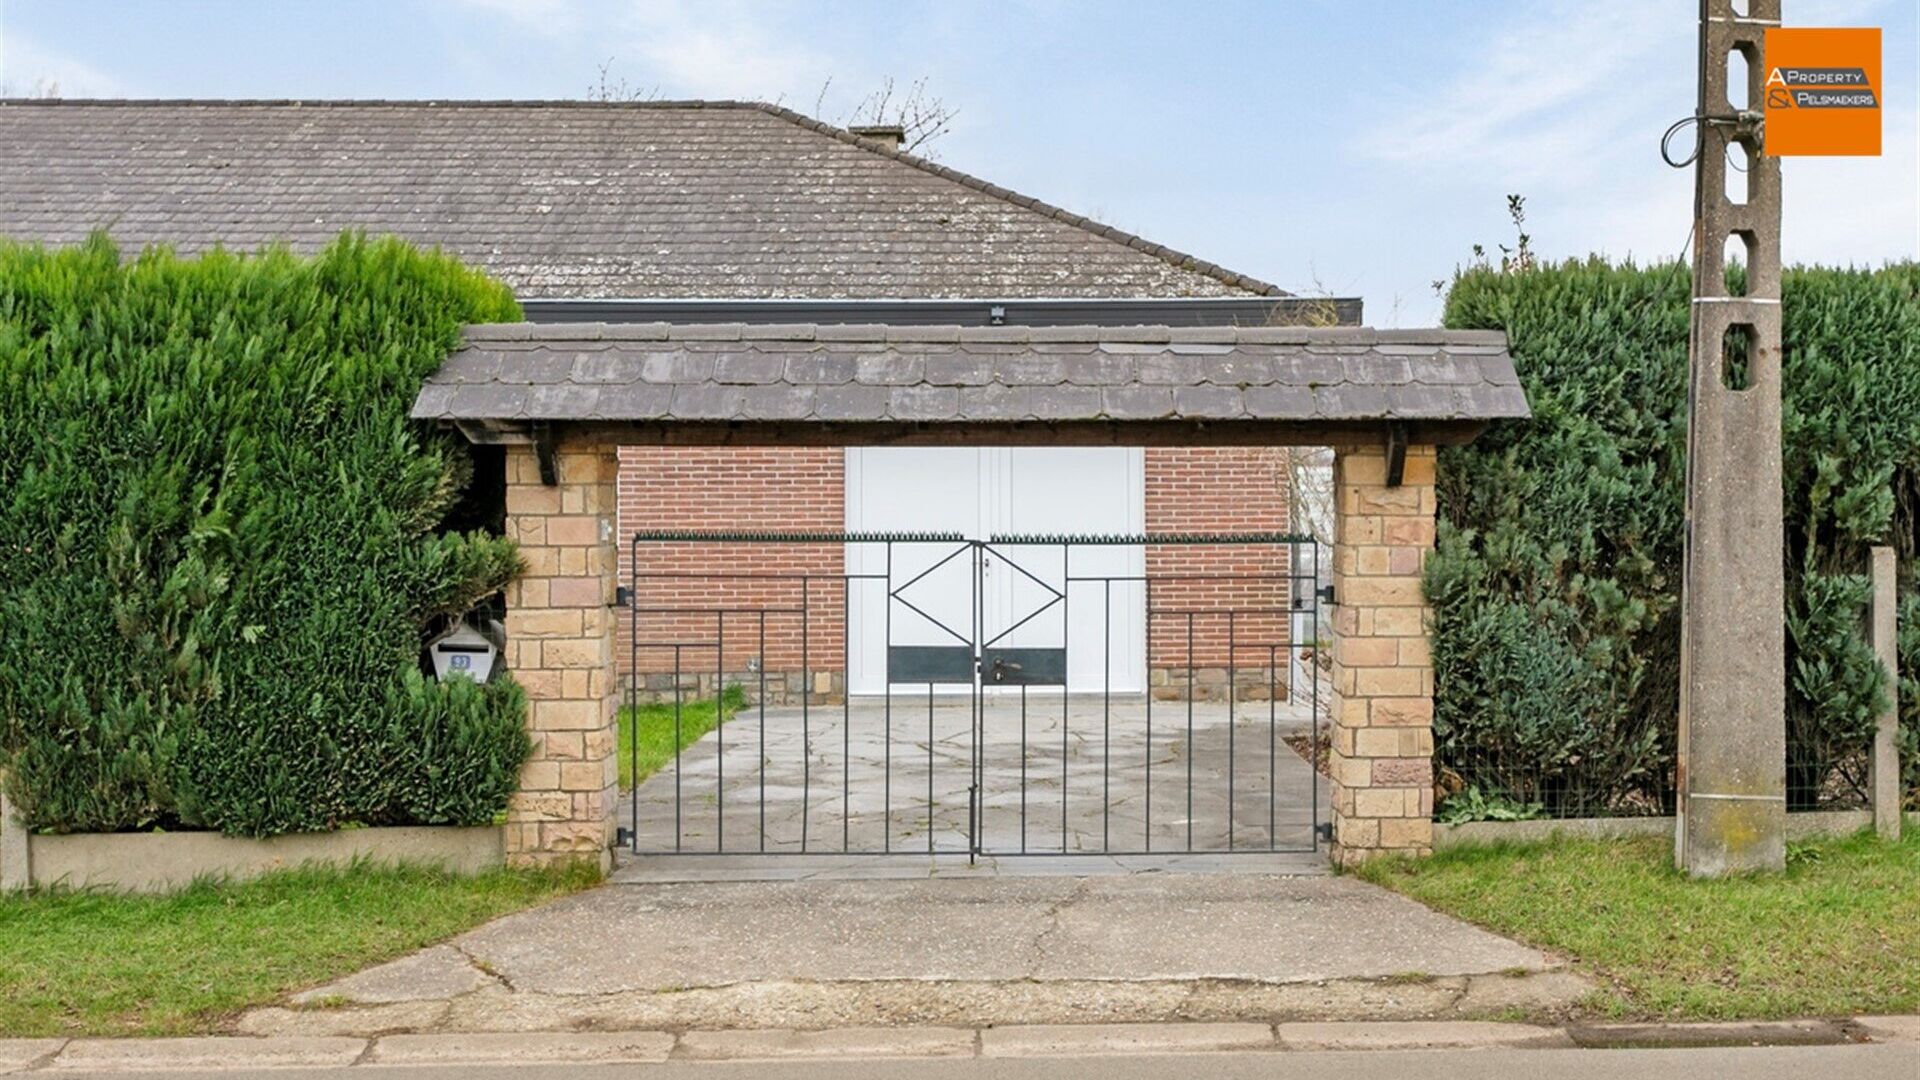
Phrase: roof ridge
(1027,202)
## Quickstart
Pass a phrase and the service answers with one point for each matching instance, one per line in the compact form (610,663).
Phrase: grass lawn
(653,728)
(1838,933)
(90,963)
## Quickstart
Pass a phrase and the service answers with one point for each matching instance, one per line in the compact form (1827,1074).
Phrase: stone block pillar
(1382,744)
(560,648)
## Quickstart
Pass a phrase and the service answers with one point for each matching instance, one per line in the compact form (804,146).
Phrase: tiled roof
(659,373)
(571,199)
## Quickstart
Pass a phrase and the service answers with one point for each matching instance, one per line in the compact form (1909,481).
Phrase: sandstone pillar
(560,648)
(1382,742)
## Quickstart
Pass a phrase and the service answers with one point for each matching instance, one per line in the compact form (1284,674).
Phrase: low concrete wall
(14,871)
(1799,826)
(157,862)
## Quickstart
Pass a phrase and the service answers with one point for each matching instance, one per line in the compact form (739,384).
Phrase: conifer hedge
(221,541)
(1555,583)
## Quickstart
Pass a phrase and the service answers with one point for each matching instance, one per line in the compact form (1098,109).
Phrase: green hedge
(1555,584)
(221,543)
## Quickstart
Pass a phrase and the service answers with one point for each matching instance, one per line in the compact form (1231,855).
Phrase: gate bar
(976,841)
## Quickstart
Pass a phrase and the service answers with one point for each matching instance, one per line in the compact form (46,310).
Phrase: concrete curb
(216,1053)
(1420,1035)
(1725,1033)
(1053,1040)
(763,1045)
(213,1052)
(580,1047)
(1889,1028)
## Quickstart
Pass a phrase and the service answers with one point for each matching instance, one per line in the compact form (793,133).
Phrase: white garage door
(981,491)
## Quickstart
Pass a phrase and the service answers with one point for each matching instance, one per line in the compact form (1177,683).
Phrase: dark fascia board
(1011,433)
(1145,311)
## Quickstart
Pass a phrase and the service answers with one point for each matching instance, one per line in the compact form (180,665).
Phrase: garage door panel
(1025,598)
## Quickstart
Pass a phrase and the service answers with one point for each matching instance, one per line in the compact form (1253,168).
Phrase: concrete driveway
(784,940)
(813,954)
(1057,775)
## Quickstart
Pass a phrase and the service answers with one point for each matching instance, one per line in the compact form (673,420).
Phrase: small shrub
(1473,804)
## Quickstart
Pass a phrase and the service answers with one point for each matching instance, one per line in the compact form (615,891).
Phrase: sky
(1344,147)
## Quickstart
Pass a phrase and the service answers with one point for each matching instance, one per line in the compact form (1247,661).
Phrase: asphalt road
(1855,1062)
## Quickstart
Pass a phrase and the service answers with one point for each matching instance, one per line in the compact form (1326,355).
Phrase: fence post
(1886,735)
(16,849)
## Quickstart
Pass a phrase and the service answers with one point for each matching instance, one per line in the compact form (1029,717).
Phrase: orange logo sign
(1822,92)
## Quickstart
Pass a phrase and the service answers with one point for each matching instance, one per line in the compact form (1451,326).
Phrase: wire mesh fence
(1493,781)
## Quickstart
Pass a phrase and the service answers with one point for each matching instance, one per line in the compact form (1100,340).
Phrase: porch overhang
(806,384)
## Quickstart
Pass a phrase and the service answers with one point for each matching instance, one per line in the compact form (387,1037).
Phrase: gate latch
(1000,669)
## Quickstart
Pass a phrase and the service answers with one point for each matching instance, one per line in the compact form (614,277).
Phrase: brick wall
(804,489)
(1218,490)
(761,489)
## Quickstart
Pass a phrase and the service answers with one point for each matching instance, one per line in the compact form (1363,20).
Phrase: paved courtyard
(1057,776)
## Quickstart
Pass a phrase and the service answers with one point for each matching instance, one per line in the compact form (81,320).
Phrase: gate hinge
(1325,593)
(622,596)
(1396,454)
(543,450)
(622,837)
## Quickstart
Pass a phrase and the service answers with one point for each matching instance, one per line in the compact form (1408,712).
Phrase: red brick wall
(771,489)
(1216,490)
(804,489)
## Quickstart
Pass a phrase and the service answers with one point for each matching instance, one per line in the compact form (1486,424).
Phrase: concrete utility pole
(1731,772)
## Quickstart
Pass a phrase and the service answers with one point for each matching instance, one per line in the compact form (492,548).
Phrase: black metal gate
(893,693)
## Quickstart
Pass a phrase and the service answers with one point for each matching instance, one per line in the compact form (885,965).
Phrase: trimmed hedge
(221,543)
(1555,584)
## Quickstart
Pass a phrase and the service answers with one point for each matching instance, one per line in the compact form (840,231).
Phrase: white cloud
(27,67)
(720,50)
(1567,106)
(682,49)
(550,18)
(1855,210)
(1541,97)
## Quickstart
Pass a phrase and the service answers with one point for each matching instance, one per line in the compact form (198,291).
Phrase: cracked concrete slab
(20,1054)
(1139,948)
(799,1005)
(1493,996)
(1139,927)
(434,974)
(399,1016)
